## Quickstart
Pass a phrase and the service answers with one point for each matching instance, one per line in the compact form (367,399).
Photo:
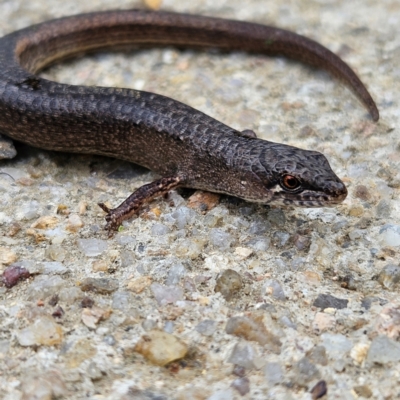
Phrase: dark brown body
(174,140)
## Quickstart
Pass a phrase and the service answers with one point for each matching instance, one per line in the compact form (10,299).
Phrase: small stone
(99,266)
(159,230)
(253,329)
(58,312)
(166,294)
(389,235)
(47,386)
(336,345)
(317,355)
(323,322)
(87,302)
(388,321)
(92,247)
(359,353)
(319,390)
(242,385)
(184,216)
(190,248)
(328,301)
(53,268)
(207,327)
(239,371)
(220,238)
(99,285)
(78,352)
(175,274)
(259,227)
(305,371)
(383,350)
(259,244)
(274,289)
(94,372)
(74,223)
(12,275)
(139,284)
(273,373)
(363,391)
(301,242)
(70,295)
(46,222)
(389,276)
(45,286)
(7,149)
(7,256)
(161,348)
(44,331)
(228,284)
(243,354)
(92,316)
(243,252)
(122,300)
(383,209)
(279,239)
(276,217)
(55,252)
(203,201)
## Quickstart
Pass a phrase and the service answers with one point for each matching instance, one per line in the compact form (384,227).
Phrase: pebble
(228,284)
(242,385)
(122,300)
(161,348)
(337,346)
(359,353)
(259,244)
(92,316)
(175,274)
(389,235)
(45,286)
(12,275)
(92,247)
(7,256)
(388,321)
(389,276)
(383,350)
(55,252)
(273,373)
(279,239)
(74,223)
(139,284)
(160,229)
(273,288)
(45,222)
(319,390)
(304,372)
(317,355)
(243,252)
(253,328)
(220,239)
(44,331)
(328,301)
(207,327)
(166,294)
(7,149)
(244,355)
(99,285)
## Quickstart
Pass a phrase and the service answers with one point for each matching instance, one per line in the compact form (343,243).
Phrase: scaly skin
(183,145)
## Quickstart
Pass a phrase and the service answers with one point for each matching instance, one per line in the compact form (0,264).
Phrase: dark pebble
(87,302)
(99,285)
(12,275)
(319,390)
(328,301)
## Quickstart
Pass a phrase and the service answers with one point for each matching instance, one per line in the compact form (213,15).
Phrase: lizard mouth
(310,198)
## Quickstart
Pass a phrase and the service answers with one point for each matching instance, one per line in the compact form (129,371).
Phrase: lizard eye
(290,183)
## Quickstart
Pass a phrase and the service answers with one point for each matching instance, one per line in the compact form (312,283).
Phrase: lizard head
(298,177)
